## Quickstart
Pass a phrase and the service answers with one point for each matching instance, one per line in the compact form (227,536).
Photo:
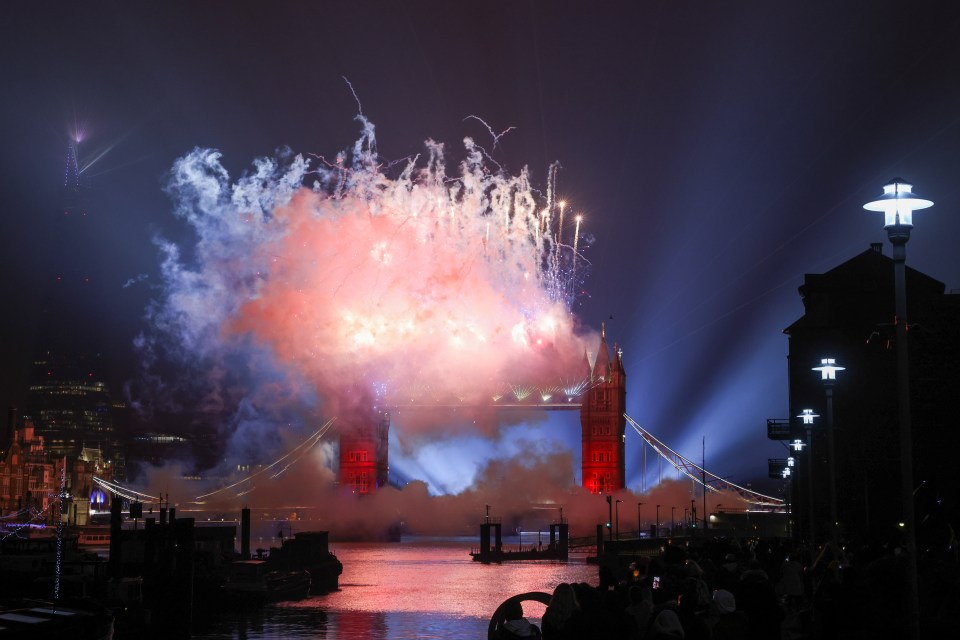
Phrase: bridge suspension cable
(124,492)
(291,458)
(710,481)
(297,452)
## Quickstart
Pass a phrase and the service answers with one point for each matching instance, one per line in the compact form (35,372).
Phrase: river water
(419,588)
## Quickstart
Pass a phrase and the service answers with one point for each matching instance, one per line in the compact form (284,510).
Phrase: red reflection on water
(439,577)
(416,589)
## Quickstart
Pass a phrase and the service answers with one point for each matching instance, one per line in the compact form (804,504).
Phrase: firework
(340,275)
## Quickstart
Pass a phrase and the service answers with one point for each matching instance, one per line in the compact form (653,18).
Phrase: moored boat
(253,582)
(309,550)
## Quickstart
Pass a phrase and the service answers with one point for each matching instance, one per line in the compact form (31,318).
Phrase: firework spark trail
(422,280)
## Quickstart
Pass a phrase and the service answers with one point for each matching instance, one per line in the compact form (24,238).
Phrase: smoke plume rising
(316,289)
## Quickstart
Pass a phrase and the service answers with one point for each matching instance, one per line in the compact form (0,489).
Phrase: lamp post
(617,521)
(639,523)
(609,517)
(898,203)
(673,520)
(807,415)
(658,521)
(796,446)
(828,375)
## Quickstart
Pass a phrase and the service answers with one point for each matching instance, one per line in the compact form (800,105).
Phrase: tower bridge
(599,396)
(601,402)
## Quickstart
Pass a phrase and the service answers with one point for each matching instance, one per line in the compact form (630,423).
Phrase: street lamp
(658,521)
(828,375)
(807,415)
(672,520)
(609,517)
(639,523)
(898,203)
(618,519)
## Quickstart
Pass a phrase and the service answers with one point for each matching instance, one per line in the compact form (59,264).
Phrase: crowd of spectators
(755,590)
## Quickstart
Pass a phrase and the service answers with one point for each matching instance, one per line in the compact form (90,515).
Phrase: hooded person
(725,622)
(515,626)
(665,625)
(563,617)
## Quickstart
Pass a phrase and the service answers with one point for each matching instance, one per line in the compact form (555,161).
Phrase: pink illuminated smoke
(338,281)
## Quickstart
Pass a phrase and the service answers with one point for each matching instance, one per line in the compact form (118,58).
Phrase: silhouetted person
(515,626)
(563,619)
(725,622)
(640,608)
(756,597)
(691,612)
(790,585)
(665,626)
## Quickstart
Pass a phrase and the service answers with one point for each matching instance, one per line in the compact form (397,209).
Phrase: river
(420,588)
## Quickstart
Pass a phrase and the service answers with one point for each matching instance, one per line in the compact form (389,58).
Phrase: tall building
(69,399)
(602,423)
(363,455)
(849,316)
(71,405)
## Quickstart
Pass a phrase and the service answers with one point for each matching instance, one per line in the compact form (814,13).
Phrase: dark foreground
(722,588)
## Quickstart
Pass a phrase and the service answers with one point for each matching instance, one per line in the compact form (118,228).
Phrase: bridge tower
(363,456)
(602,423)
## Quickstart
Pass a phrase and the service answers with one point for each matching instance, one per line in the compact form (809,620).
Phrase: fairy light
(63,489)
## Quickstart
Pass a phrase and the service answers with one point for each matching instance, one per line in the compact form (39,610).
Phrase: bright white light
(797,445)
(828,369)
(808,415)
(791,461)
(898,203)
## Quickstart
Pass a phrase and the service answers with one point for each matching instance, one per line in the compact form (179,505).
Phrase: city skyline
(716,157)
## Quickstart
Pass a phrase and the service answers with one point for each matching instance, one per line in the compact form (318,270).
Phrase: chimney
(877,246)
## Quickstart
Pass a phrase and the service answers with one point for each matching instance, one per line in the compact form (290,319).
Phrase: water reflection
(415,589)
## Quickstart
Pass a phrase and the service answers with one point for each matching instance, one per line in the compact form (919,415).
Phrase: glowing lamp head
(898,203)
(828,369)
(797,445)
(808,415)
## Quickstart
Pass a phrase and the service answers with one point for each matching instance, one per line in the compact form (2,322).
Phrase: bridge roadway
(544,406)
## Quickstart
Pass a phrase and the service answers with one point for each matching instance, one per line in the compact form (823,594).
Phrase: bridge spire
(602,424)
(601,367)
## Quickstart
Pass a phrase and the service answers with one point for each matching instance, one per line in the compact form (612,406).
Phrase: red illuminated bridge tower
(363,455)
(364,447)
(602,423)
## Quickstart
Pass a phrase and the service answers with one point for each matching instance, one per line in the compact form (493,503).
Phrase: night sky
(717,151)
